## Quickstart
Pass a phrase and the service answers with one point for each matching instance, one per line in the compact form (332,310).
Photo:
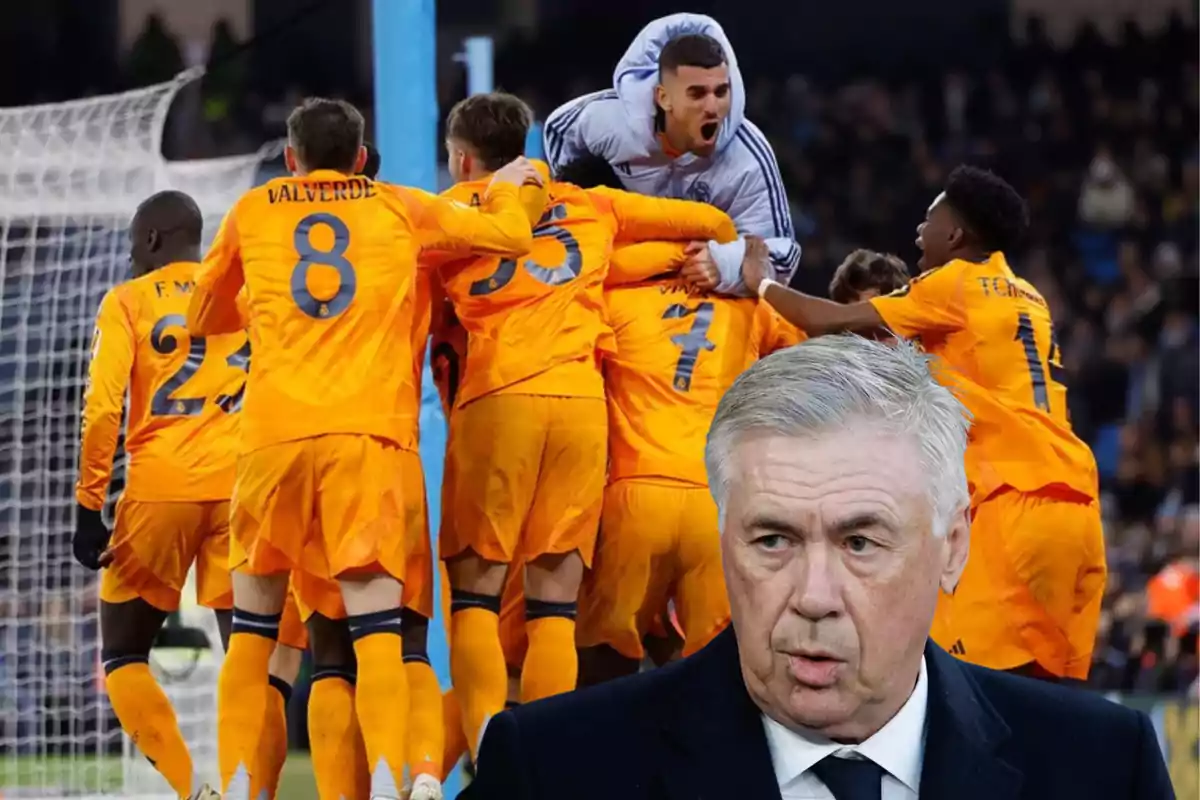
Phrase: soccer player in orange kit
(1029,599)
(528,441)
(677,352)
(329,430)
(185,393)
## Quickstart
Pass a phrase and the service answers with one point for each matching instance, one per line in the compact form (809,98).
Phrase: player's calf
(477,666)
(335,739)
(551,602)
(243,687)
(426,732)
(374,619)
(127,631)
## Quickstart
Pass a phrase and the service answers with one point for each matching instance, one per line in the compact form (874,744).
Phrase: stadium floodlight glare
(71,175)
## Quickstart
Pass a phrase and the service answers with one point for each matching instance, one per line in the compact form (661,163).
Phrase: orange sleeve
(640,218)
(218,304)
(633,263)
(500,226)
(111,364)
(930,303)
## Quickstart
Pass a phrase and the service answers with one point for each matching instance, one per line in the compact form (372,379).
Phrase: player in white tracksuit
(674,126)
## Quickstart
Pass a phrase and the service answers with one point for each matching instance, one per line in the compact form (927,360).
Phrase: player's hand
(756,263)
(700,272)
(518,172)
(90,542)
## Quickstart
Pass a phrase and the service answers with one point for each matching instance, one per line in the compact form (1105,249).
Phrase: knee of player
(549,609)
(113,659)
(415,636)
(331,643)
(462,600)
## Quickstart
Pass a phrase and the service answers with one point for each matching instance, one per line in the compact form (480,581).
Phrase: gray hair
(832,382)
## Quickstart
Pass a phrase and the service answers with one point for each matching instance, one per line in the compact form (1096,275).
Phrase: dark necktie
(851,778)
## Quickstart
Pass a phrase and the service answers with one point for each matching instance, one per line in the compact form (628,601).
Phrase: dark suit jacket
(689,731)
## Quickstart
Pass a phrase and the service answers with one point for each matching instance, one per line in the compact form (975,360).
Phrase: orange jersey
(536,325)
(184,395)
(676,356)
(994,331)
(329,264)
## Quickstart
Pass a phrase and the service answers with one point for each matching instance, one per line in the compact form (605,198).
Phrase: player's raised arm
(217,304)
(640,218)
(633,263)
(103,400)
(498,226)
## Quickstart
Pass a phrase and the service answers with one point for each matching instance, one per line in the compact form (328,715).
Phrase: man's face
(938,235)
(695,101)
(833,574)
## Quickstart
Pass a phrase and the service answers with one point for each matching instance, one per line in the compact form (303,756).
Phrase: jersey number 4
(163,404)
(564,272)
(335,257)
(1037,373)
(692,343)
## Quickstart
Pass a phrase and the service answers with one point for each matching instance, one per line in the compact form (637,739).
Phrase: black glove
(91,537)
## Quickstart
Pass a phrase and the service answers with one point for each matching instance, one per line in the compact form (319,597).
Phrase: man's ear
(153,240)
(360,160)
(956,548)
(661,98)
(289,159)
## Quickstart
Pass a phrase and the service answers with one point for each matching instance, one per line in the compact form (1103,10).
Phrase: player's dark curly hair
(864,270)
(993,211)
(588,172)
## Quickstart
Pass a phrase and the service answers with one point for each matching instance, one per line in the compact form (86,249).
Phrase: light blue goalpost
(406,124)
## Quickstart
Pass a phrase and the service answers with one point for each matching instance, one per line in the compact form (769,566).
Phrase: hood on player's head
(976,215)
(166,228)
(325,134)
(588,172)
(484,132)
(680,76)
(370,167)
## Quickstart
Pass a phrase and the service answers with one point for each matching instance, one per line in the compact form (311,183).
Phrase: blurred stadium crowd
(1101,137)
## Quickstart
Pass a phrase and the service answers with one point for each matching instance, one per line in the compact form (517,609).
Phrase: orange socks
(275,736)
(477,665)
(146,715)
(338,756)
(382,689)
(551,662)
(243,703)
(455,741)
(426,732)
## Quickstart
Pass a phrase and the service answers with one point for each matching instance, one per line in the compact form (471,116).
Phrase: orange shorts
(292,632)
(379,488)
(527,475)
(1032,586)
(658,541)
(155,544)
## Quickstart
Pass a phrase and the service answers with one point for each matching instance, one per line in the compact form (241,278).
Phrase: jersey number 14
(1037,373)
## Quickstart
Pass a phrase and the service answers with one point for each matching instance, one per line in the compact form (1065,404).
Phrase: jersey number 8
(557,275)
(335,257)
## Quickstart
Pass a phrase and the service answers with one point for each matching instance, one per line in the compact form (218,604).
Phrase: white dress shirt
(898,747)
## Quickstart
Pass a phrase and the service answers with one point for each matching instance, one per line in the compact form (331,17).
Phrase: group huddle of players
(580,351)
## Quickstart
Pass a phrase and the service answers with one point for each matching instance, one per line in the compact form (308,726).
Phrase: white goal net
(71,175)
